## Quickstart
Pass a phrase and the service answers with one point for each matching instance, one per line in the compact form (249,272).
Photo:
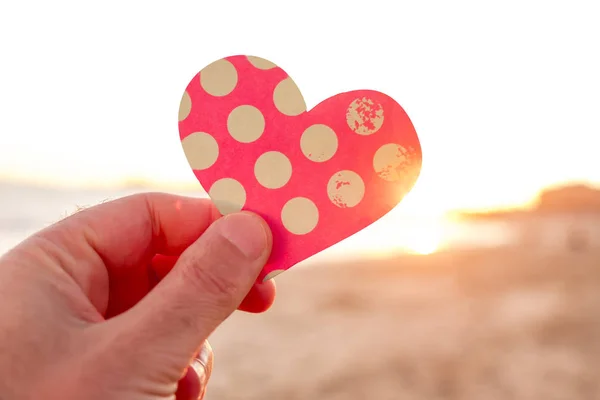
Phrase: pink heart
(315,176)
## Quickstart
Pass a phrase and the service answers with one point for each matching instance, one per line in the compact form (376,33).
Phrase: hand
(86,314)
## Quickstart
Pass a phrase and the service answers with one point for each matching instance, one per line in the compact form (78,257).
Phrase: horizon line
(196,187)
(105,184)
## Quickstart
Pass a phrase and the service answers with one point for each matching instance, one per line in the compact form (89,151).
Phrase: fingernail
(202,365)
(200,370)
(246,232)
(205,357)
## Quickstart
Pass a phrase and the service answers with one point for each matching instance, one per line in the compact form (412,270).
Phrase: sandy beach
(493,324)
(518,322)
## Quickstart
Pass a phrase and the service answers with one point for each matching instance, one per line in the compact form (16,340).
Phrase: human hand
(86,314)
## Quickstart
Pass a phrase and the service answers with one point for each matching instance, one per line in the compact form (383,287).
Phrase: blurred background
(482,284)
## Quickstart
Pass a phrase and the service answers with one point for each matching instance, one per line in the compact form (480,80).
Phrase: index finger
(131,229)
(120,234)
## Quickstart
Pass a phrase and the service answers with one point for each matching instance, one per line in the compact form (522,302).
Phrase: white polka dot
(300,216)
(201,150)
(319,143)
(185,106)
(273,274)
(364,116)
(228,195)
(273,170)
(219,78)
(288,99)
(246,123)
(390,161)
(346,189)
(260,63)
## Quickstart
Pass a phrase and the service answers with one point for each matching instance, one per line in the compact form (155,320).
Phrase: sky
(505,96)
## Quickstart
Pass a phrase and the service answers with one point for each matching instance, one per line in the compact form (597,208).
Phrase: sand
(501,324)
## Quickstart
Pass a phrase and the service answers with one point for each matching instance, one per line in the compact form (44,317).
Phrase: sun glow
(424,245)
(424,239)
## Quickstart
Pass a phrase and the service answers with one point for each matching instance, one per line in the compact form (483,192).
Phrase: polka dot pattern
(389,161)
(201,150)
(364,116)
(273,170)
(246,123)
(261,63)
(219,78)
(346,189)
(319,143)
(185,106)
(300,216)
(316,177)
(273,274)
(288,99)
(228,195)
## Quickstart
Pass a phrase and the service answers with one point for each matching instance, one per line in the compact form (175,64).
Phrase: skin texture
(118,300)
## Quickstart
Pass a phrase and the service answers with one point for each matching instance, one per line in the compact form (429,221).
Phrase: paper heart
(317,176)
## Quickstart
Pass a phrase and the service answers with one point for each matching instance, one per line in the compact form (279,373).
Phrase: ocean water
(26,209)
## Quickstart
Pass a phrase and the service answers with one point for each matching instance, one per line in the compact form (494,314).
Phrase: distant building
(575,232)
(563,218)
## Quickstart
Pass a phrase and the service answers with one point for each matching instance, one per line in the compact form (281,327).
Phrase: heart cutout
(317,176)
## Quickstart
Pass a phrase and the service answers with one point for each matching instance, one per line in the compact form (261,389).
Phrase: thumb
(209,281)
